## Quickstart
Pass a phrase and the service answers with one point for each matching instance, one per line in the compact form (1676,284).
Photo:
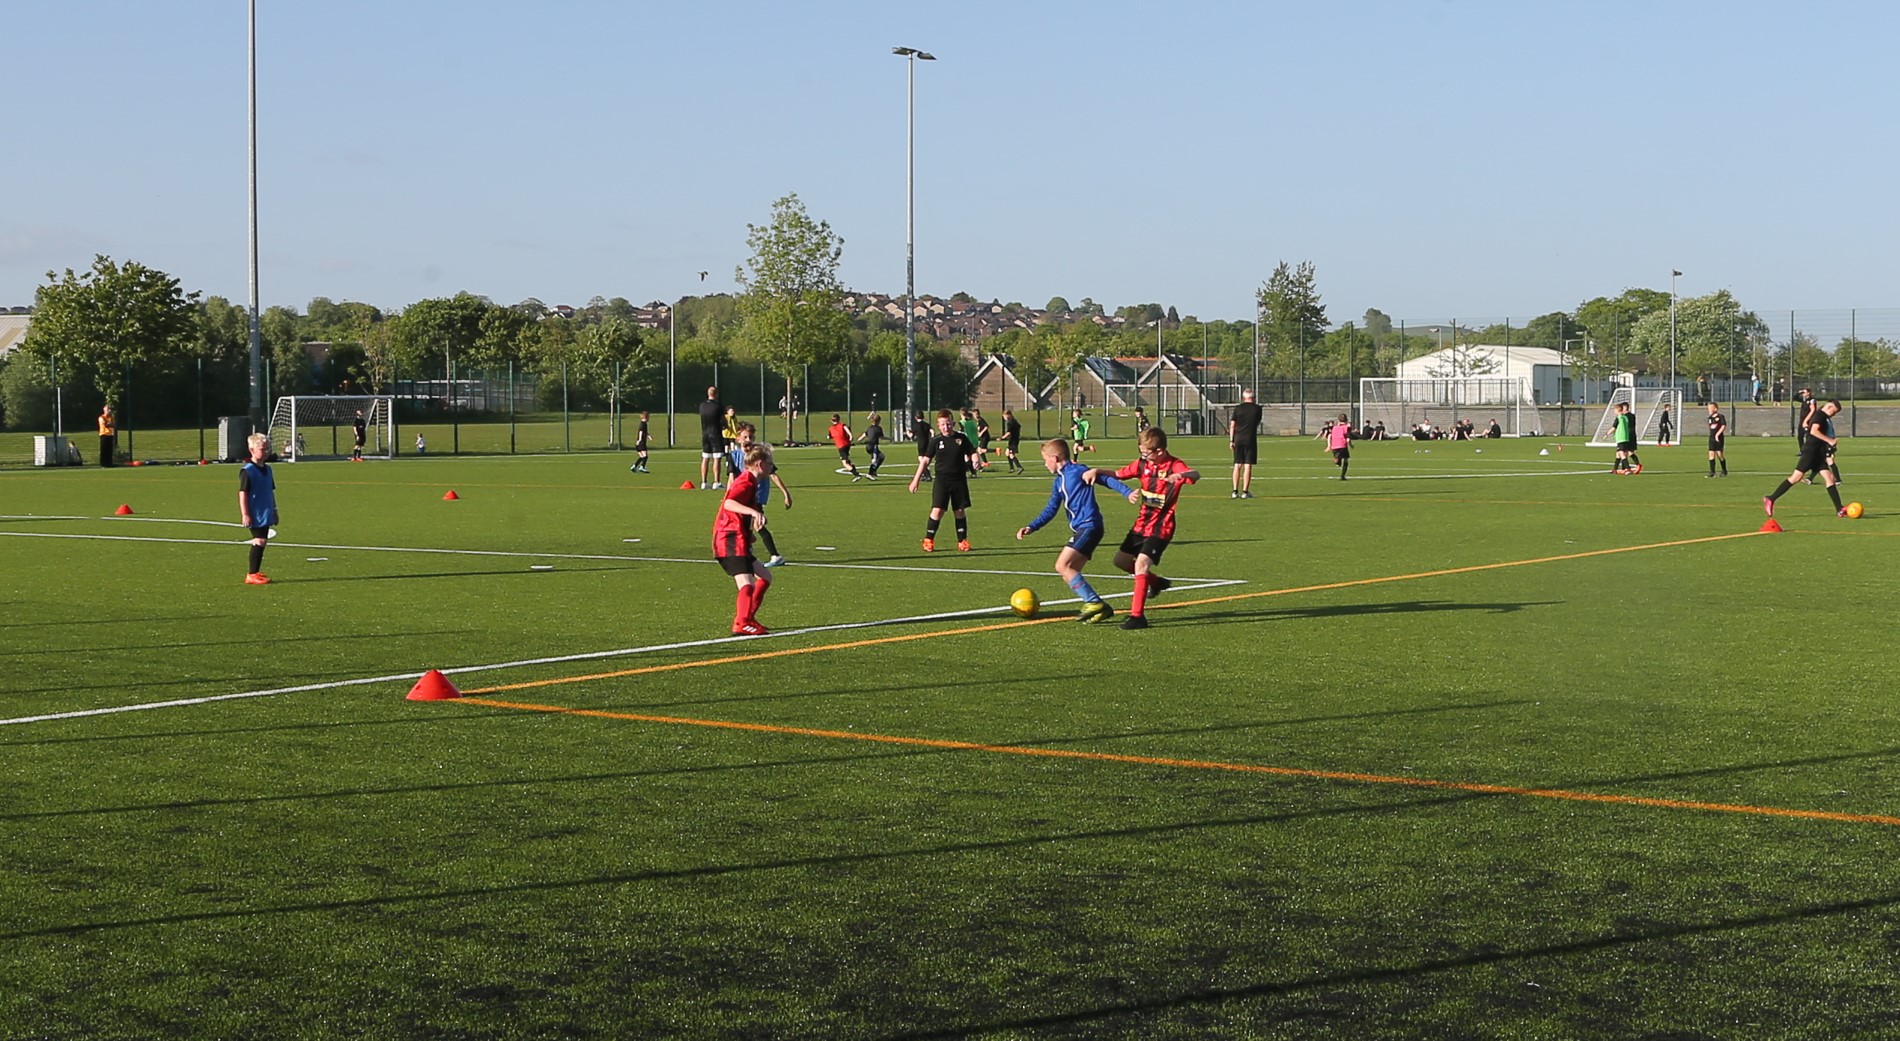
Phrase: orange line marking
(1206,764)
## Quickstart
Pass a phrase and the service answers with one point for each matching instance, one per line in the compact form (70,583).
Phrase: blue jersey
(1070,491)
(260,493)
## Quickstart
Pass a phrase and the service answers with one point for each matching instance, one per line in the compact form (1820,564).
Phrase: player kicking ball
(1159,477)
(1074,489)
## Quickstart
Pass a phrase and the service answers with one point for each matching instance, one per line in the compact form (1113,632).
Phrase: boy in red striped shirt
(739,516)
(1159,477)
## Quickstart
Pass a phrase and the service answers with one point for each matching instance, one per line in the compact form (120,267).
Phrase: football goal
(324,427)
(1647,405)
(1403,404)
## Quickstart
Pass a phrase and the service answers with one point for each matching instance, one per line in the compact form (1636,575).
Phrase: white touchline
(547,556)
(1181,586)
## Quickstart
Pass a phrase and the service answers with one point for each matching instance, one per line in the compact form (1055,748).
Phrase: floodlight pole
(911,56)
(672,343)
(256,337)
(1673,275)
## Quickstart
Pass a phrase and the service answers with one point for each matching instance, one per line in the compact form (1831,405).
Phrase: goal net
(1647,405)
(1402,404)
(324,427)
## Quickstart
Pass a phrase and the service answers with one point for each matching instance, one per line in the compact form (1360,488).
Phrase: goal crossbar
(323,426)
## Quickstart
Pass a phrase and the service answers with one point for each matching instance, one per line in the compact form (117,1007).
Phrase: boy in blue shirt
(257,505)
(1074,488)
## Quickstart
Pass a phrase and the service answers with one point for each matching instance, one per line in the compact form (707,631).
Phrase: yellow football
(1854,511)
(1025,602)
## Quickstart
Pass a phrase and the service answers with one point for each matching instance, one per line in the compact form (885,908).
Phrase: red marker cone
(433,686)
(1770,525)
(686,486)
(124,510)
(450,496)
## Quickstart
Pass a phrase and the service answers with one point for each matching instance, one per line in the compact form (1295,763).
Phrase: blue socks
(1084,590)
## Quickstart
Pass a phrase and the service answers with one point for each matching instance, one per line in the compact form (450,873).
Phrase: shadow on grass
(275,641)
(522,570)
(1346,610)
(1399,974)
(1196,997)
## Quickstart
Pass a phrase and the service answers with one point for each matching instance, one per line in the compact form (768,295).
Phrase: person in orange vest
(108,436)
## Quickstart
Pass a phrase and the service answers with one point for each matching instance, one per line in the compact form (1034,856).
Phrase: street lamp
(911,56)
(255,330)
(1673,275)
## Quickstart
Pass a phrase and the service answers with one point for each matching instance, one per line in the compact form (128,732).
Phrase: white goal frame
(1400,403)
(1646,403)
(322,426)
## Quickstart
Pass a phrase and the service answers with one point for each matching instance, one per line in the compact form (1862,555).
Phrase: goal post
(1647,404)
(1402,403)
(324,426)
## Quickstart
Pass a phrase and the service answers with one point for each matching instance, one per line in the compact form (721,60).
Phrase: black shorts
(1342,454)
(1246,453)
(1085,541)
(712,444)
(1626,446)
(1153,545)
(844,455)
(1813,457)
(261,533)
(1715,443)
(736,566)
(1013,443)
(950,493)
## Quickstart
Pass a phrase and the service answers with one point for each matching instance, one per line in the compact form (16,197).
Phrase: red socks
(747,606)
(1141,595)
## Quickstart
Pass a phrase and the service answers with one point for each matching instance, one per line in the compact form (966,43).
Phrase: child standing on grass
(257,505)
(1012,439)
(733,527)
(1079,432)
(640,444)
(1074,489)
(748,434)
(955,455)
(1160,477)
(1623,432)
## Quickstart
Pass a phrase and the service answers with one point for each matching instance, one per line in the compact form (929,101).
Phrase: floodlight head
(912,52)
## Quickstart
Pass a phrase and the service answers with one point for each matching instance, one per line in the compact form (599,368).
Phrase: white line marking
(624,652)
(547,556)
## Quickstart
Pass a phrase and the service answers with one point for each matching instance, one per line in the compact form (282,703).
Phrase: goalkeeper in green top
(1624,435)
(1079,432)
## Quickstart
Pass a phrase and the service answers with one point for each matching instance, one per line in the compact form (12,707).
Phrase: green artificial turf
(1346,788)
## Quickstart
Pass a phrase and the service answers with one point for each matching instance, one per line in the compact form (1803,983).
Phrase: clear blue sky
(1435,159)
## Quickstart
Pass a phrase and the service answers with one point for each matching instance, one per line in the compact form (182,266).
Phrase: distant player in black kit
(362,431)
(955,455)
(1012,437)
(873,436)
(641,442)
(920,434)
(1718,437)
(1666,427)
(1814,452)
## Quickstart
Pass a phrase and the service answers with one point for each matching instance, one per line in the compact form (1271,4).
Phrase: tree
(610,355)
(1292,319)
(1709,332)
(1058,305)
(1608,321)
(791,307)
(110,318)
(438,329)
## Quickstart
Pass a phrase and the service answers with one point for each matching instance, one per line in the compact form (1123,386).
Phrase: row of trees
(100,328)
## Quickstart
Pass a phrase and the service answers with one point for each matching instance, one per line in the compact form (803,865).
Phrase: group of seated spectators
(1462,430)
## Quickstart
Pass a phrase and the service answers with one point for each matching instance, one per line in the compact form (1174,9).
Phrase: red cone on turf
(686,486)
(1769,525)
(450,496)
(124,510)
(433,686)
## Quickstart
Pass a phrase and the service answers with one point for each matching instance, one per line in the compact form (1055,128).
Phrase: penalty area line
(1351,777)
